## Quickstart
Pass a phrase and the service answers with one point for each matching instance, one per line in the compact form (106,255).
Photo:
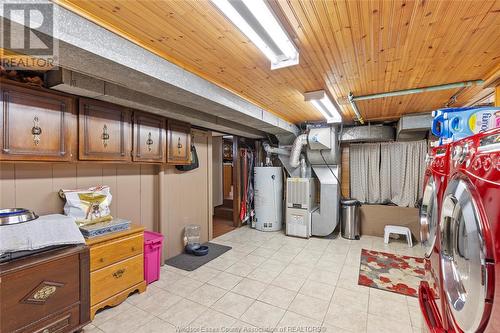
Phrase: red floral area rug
(391,272)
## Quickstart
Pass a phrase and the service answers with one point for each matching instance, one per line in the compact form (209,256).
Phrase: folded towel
(47,230)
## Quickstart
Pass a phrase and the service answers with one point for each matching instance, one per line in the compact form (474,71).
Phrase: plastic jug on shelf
(458,123)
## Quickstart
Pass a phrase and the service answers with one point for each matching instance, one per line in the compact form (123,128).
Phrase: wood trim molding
(5,102)
(210,186)
(497,96)
(236,182)
(64,109)
(345,172)
(85,286)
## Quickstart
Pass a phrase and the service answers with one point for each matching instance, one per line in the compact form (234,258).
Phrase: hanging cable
(333,173)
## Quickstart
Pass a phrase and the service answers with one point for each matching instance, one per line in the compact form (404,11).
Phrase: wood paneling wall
(187,198)
(217,185)
(36,186)
(228,181)
(345,187)
(134,188)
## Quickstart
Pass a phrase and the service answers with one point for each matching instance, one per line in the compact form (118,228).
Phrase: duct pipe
(417,90)
(355,108)
(299,142)
(273,150)
(303,166)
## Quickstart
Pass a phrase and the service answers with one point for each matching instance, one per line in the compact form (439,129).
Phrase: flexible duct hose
(272,150)
(303,166)
(299,142)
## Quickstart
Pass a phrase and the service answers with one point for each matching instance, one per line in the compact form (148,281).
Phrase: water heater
(268,188)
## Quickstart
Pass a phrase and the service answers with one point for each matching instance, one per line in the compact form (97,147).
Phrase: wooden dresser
(47,292)
(116,267)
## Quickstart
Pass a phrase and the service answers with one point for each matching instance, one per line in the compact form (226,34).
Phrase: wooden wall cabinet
(105,131)
(116,267)
(149,138)
(46,292)
(179,143)
(41,125)
(36,124)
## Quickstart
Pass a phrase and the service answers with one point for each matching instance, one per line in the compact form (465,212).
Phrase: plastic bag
(88,206)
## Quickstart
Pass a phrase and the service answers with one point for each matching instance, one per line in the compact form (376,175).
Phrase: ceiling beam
(493,78)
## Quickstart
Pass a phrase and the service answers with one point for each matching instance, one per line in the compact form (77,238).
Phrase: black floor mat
(190,262)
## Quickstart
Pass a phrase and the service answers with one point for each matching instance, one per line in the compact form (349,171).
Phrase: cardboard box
(374,218)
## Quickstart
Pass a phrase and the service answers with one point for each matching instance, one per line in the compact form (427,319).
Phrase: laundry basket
(153,242)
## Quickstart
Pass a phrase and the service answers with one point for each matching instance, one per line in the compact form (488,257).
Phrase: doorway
(223,190)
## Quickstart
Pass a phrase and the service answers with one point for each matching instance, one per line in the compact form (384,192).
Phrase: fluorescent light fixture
(324,104)
(257,21)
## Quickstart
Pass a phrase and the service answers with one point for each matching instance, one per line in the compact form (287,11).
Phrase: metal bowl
(16,215)
(201,251)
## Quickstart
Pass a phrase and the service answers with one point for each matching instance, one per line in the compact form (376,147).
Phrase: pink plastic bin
(153,242)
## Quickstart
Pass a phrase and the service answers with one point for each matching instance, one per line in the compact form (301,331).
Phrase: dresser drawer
(60,323)
(39,291)
(110,280)
(111,252)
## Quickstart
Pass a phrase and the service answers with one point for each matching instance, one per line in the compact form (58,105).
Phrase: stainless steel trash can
(349,225)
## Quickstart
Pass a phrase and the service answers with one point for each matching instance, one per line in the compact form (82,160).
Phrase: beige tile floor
(269,281)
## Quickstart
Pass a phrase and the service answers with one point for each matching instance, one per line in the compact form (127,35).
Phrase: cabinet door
(149,139)
(179,143)
(105,131)
(36,124)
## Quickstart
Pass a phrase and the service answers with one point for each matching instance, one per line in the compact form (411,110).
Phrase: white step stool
(395,229)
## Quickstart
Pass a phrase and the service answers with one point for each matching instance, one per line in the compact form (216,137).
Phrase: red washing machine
(470,235)
(430,291)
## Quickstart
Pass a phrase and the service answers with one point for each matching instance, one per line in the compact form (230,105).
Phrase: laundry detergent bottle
(440,126)
(482,119)
(458,123)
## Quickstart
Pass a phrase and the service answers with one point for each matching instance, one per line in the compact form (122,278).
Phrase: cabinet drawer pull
(179,145)
(105,136)
(119,273)
(36,131)
(149,142)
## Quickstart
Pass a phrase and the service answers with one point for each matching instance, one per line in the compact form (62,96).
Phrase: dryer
(430,291)
(435,181)
(470,235)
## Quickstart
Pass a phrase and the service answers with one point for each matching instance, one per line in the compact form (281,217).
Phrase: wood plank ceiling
(360,46)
